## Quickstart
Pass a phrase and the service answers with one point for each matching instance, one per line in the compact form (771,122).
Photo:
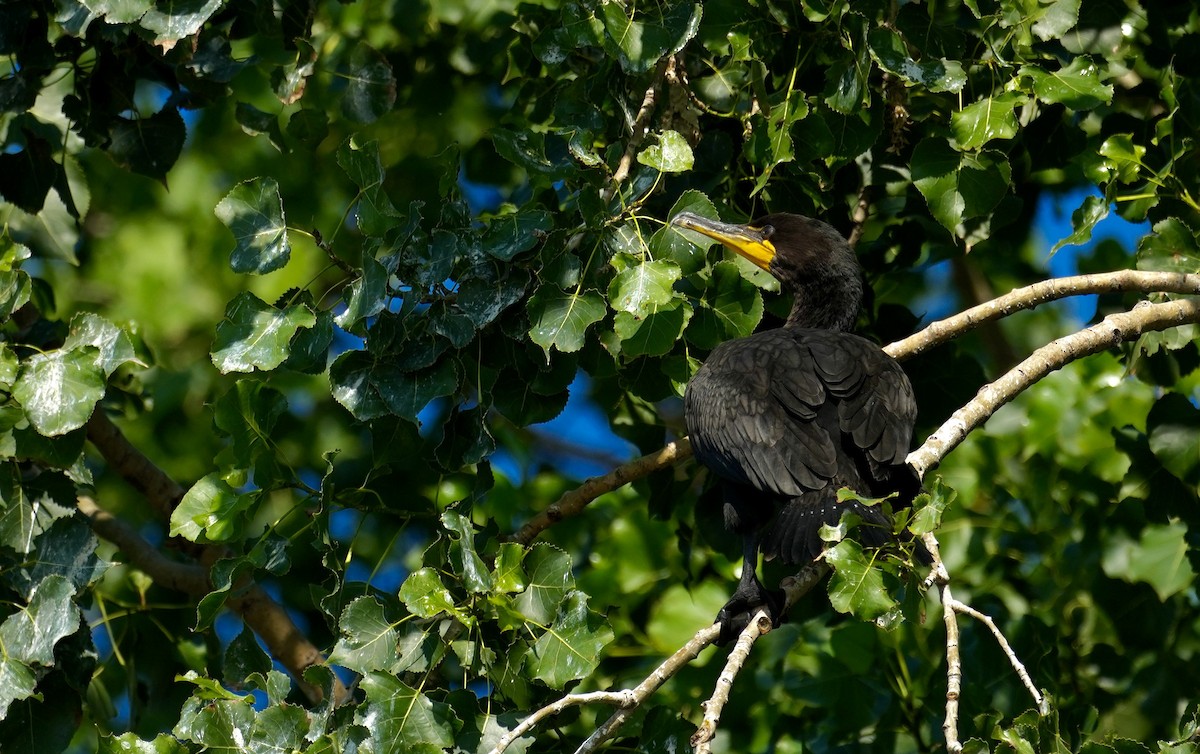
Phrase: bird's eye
(768,231)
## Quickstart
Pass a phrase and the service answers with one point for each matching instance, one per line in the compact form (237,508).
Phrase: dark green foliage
(457,208)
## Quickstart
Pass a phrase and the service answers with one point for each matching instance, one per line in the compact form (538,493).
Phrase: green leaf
(672,154)
(736,302)
(484,300)
(1055,18)
(1171,247)
(1084,220)
(570,648)
(891,53)
(560,320)
(253,211)
(930,506)
(402,719)
(856,586)
(424,594)
(371,87)
(1159,558)
(656,333)
(1077,86)
(958,186)
(374,211)
(639,44)
(1174,429)
(212,511)
(255,122)
(988,119)
(368,294)
(309,127)
(368,640)
(148,146)
(113,345)
(643,288)
(474,573)
(60,389)
(528,150)
(172,22)
(517,232)
(549,576)
(1124,158)
(30,633)
(255,335)
(407,393)
(508,575)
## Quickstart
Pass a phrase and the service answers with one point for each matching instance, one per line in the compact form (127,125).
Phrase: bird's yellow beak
(750,242)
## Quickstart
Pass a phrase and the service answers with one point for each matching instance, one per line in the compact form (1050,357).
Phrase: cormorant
(787,416)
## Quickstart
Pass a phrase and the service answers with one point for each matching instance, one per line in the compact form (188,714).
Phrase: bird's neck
(827,303)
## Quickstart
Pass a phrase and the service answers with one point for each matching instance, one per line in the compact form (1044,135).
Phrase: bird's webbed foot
(751,597)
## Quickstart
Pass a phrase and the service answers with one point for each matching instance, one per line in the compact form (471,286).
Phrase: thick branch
(1112,331)
(574,501)
(262,614)
(133,466)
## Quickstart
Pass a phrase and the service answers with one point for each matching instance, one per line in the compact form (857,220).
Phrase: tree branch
(261,613)
(1112,331)
(638,129)
(1122,281)
(702,739)
(574,501)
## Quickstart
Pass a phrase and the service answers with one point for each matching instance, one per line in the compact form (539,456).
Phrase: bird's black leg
(750,597)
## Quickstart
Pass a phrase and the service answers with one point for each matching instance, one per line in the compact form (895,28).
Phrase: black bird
(788,416)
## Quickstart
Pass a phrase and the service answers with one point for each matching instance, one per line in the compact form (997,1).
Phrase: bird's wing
(769,411)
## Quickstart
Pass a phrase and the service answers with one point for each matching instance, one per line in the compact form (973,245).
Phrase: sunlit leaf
(856,586)
(212,510)
(571,647)
(985,120)
(255,335)
(60,389)
(560,320)
(672,154)
(253,211)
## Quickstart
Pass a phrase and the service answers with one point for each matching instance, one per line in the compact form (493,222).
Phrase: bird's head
(807,256)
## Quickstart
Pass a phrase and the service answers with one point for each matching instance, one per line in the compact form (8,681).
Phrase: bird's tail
(795,536)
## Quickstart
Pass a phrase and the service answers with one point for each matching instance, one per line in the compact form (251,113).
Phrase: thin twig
(702,739)
(961,607)
(638,129)
(574,501)
(941,577)
(1112,331)
(669,667)
(623,699)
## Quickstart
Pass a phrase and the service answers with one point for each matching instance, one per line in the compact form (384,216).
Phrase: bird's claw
(742,607)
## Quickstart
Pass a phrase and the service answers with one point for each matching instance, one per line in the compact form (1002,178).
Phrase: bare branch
(1018,666)
(574,501)
(938,575)
(643,690)
(623,699)
(1122,281)
(1112,331)
(702,738)
(173,574)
